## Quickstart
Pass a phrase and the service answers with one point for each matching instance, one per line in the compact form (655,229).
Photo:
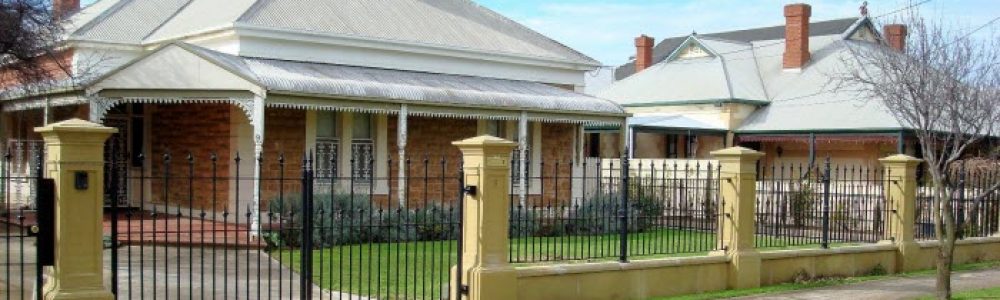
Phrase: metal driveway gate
(27,214)
(317,234)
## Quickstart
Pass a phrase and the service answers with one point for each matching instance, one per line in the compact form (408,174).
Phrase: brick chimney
(643,53)
(796,35)
(895,36)
(63,8)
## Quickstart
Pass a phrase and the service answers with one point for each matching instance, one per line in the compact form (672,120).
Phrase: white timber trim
(401,133)
(257,121)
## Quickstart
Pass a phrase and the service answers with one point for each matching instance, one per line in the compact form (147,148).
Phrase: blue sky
(605,29)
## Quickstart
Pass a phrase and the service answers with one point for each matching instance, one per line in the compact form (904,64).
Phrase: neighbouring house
(771,89)
(364,85)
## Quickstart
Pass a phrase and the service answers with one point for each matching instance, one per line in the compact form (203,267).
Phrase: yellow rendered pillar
(75,161)
(901,194)
(486,268)
(738,186)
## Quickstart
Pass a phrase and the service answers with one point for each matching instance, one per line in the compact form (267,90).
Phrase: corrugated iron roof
(812,99)
(449,23)
(455,24)
(666,46)
(364,83)
(730,73)
(129,21)
(668,122)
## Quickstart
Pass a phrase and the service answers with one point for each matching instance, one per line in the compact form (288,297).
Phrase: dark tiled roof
(665,47)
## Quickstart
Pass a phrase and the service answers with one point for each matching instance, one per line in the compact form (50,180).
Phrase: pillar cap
(900,158)
(75,125)
(737,152)
(486,141)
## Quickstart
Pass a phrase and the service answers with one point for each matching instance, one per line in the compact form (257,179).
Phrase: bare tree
(31,52)
(945,86)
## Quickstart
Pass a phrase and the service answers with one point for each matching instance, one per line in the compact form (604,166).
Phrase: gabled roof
(666,46)
(344,82)
(813,100)
(728,74)
(454,24)
(803,100)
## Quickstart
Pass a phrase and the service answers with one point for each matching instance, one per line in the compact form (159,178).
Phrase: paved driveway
(202,273)
(17,264)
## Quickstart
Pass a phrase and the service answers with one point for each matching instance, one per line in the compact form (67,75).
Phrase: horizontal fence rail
(974,202)
(800,205)
(192,229)
(604,209)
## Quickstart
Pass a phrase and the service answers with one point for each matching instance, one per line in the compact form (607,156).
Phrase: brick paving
(146,229)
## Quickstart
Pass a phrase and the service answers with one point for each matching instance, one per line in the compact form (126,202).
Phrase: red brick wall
(557,165)
(284,134)
(205,128)
(55,66)
(430,138)
(796,35)
(199,129)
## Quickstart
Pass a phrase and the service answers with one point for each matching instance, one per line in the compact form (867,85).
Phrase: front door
(121,152)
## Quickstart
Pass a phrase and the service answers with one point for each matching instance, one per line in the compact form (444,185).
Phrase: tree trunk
(944,260)
(946,237)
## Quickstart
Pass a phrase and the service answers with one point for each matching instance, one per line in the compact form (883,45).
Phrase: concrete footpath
(893,288)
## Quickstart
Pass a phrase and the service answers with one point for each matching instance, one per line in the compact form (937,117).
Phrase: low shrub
(341,219)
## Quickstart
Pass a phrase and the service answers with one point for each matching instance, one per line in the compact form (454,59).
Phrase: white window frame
(377,142)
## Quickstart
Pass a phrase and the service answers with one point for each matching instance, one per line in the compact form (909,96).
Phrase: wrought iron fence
(808,205)
(22,253)
(197,232)
(974,200)
(610,208)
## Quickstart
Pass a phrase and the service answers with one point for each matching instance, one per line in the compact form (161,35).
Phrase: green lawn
(990,293)
(785,287)
(420,269)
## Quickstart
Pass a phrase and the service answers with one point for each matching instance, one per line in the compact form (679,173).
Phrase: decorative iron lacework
(100,105)
(363,152)
(20,105)
(326,157)
(22,165)
(515,167)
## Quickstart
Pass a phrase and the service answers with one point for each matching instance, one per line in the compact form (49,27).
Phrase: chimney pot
(796,35)
(63,8)
(643,53)
(895,36)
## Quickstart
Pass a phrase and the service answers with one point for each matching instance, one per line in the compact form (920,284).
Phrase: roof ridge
(167,20)
(768,27)
(100,17)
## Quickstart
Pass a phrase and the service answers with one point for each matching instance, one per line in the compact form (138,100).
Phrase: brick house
(768,88)
(378,82)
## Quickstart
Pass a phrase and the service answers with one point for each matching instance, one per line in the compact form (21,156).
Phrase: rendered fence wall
(738,263)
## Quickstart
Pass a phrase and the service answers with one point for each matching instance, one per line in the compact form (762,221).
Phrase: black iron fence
(26,214)
(193,229)
(611,208)
(801,205)
(974,201)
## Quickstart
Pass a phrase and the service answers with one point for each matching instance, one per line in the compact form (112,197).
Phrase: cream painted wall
(242,138)
(841,153)
(730,115)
